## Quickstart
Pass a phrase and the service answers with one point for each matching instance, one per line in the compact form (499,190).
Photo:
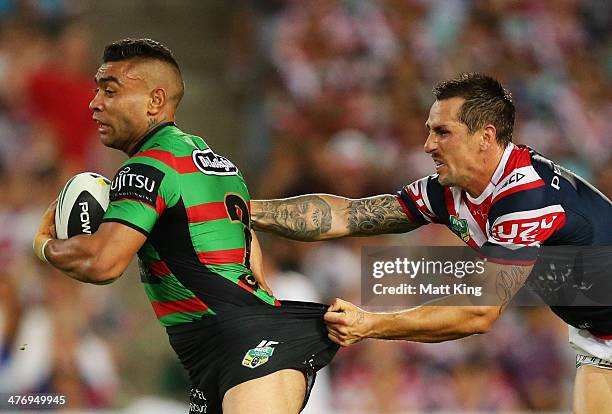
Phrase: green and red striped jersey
(193,206)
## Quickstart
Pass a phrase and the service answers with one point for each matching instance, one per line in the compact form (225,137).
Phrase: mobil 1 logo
(213,164)
(138,182)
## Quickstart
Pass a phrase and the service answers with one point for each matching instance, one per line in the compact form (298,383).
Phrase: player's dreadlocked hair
(138,48)
(486,102)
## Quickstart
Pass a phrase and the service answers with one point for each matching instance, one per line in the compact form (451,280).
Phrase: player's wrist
(378,324)
(40,244)
(369,325)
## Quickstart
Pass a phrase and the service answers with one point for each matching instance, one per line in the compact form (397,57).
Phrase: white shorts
(590,350)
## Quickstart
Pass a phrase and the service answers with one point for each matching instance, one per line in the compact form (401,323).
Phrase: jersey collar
(148,136)
(497,175)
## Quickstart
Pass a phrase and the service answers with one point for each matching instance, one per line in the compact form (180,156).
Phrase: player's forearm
(322,216)
(79,258)
(455,316)
(432,323)
(309,217)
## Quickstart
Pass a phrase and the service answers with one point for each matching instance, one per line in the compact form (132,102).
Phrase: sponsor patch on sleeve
(139,182)
(527,228)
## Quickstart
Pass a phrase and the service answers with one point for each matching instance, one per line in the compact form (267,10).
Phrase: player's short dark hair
(486,102)
(126,49)
(138,48)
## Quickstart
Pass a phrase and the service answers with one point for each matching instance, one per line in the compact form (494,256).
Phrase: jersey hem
(126,223)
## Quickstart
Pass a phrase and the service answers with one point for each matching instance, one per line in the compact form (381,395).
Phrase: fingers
(335,339)
(335,317)
(336,306)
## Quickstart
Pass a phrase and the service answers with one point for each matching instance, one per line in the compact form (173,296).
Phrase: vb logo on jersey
(460,228)
(259,355)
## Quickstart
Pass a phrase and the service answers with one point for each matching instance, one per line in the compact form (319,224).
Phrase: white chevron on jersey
(520,179)
(476,232)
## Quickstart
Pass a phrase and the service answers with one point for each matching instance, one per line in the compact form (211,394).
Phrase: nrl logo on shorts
(259,355)
(212,164)
(460,228)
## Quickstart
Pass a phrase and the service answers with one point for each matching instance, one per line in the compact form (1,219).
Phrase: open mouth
(102,127)
(439,164)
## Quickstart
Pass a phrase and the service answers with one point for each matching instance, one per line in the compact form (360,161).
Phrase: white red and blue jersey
(529,202)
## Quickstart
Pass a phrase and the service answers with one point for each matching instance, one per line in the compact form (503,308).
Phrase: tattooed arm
(323,216)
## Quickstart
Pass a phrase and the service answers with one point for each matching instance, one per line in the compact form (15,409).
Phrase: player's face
(450,144)
(120,105)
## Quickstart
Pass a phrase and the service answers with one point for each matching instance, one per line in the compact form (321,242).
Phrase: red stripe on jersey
(219,257)
(159,268)
(405,208)
(182,165)
(508,261)
(245,286)
(527,186)
(604,337)
(207,212)
(184,305)
(450,202)
(518,158)
(160,205)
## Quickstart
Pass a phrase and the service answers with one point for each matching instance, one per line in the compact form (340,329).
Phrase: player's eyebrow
(107,79)
(437,128)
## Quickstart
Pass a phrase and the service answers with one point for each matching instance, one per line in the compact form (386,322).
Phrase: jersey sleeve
(519,224)
(423,201)
(140,192)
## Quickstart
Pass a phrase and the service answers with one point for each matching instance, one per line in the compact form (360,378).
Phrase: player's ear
(488,137)
(157,100)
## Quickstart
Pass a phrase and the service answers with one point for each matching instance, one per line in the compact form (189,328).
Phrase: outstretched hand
(346,323)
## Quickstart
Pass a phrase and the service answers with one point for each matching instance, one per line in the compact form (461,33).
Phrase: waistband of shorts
(592,361)
(287,307)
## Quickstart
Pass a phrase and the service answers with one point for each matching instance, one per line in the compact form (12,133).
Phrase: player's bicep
(381,214)
(118,244)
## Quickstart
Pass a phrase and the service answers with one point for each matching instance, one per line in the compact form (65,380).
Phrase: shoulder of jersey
(518,175)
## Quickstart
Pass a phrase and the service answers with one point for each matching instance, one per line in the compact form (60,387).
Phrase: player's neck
(153,125)
(483,172)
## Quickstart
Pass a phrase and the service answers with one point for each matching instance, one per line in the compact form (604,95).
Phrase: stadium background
(325,96)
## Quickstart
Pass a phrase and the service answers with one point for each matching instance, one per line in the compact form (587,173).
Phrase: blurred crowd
(334,97)
(54,334)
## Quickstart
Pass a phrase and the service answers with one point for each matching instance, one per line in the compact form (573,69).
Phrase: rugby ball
(81,205)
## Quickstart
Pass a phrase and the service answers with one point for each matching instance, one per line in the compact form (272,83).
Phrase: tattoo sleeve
(319,217)
(377,215)
(304,218)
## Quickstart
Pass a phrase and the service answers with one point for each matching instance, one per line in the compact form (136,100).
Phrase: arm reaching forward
(316,217)
(444,319)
